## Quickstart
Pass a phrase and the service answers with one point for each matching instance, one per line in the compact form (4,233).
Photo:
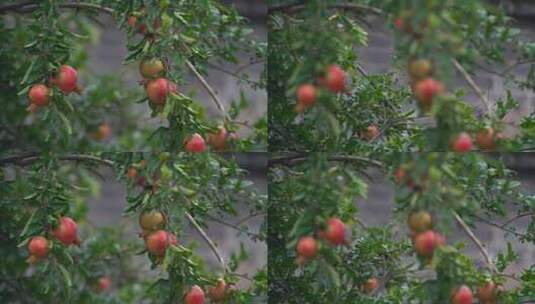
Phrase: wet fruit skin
(462,295)
(335,79)
(195,144)
(370,285)
(306,95)
(104,283)
(335,232)
(157,90)
(194,296)
(38,247)
(487,293)
(420,221)
(152,220)
(307,247)
(67,231)
(426,242)
(463,143)
(151,68)
(426,90)
(219,292)
(485,139)
(218,140)
(38,95)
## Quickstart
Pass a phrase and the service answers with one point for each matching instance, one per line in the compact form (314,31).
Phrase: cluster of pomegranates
(66,80)
(66,232)
(334,80)
(307,246)
(426,240)
(142,27)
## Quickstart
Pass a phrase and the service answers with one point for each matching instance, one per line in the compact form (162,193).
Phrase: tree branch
(25,160)
(472,83)
(478,243)
(28,6)
(208,241)
(208,88)
(296,7)
(293,160)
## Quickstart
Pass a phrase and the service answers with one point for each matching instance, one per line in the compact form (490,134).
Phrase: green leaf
(66,275)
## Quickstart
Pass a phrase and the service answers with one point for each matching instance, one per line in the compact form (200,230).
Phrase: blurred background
(106,210)
(106,54)
(376,210)
(377,58)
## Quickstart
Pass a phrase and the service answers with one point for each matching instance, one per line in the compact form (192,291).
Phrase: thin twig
(295,7)
(478,243)
(28,6)
(472,83)
(208,88)
(293,160)
(485,221)
(25,160)
(208,241)
(509,221)
(252,234)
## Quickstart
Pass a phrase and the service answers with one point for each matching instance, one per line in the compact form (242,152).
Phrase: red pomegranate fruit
(38,95)
(195,144)
(194,296)
(67,231)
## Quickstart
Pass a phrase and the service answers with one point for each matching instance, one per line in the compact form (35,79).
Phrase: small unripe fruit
(157,90)
(195,144)
(306,95)
(420,68)
(104,283)
(487,293)
(400,175)
(219,292)
(38,95)
(132,20)
(67,231)
(335,232)
(335,79)
(38,247)
(194,296)
(485,139)
(151,68)
(371,132)
(307,247)
(104,131)
(420,221)
(67,79)
(157,242)
(219,139)
(462,143)
(152,220)
(399,23)
(462,295)
(426,91)
(131,173)
(426,242)
(370,285)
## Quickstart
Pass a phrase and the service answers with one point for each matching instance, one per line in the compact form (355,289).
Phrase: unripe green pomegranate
(152,220)
(151,68)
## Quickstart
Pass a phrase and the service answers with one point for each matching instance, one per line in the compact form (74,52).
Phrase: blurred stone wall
(107,208)
(376,210)
(106,57)
(377,58)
